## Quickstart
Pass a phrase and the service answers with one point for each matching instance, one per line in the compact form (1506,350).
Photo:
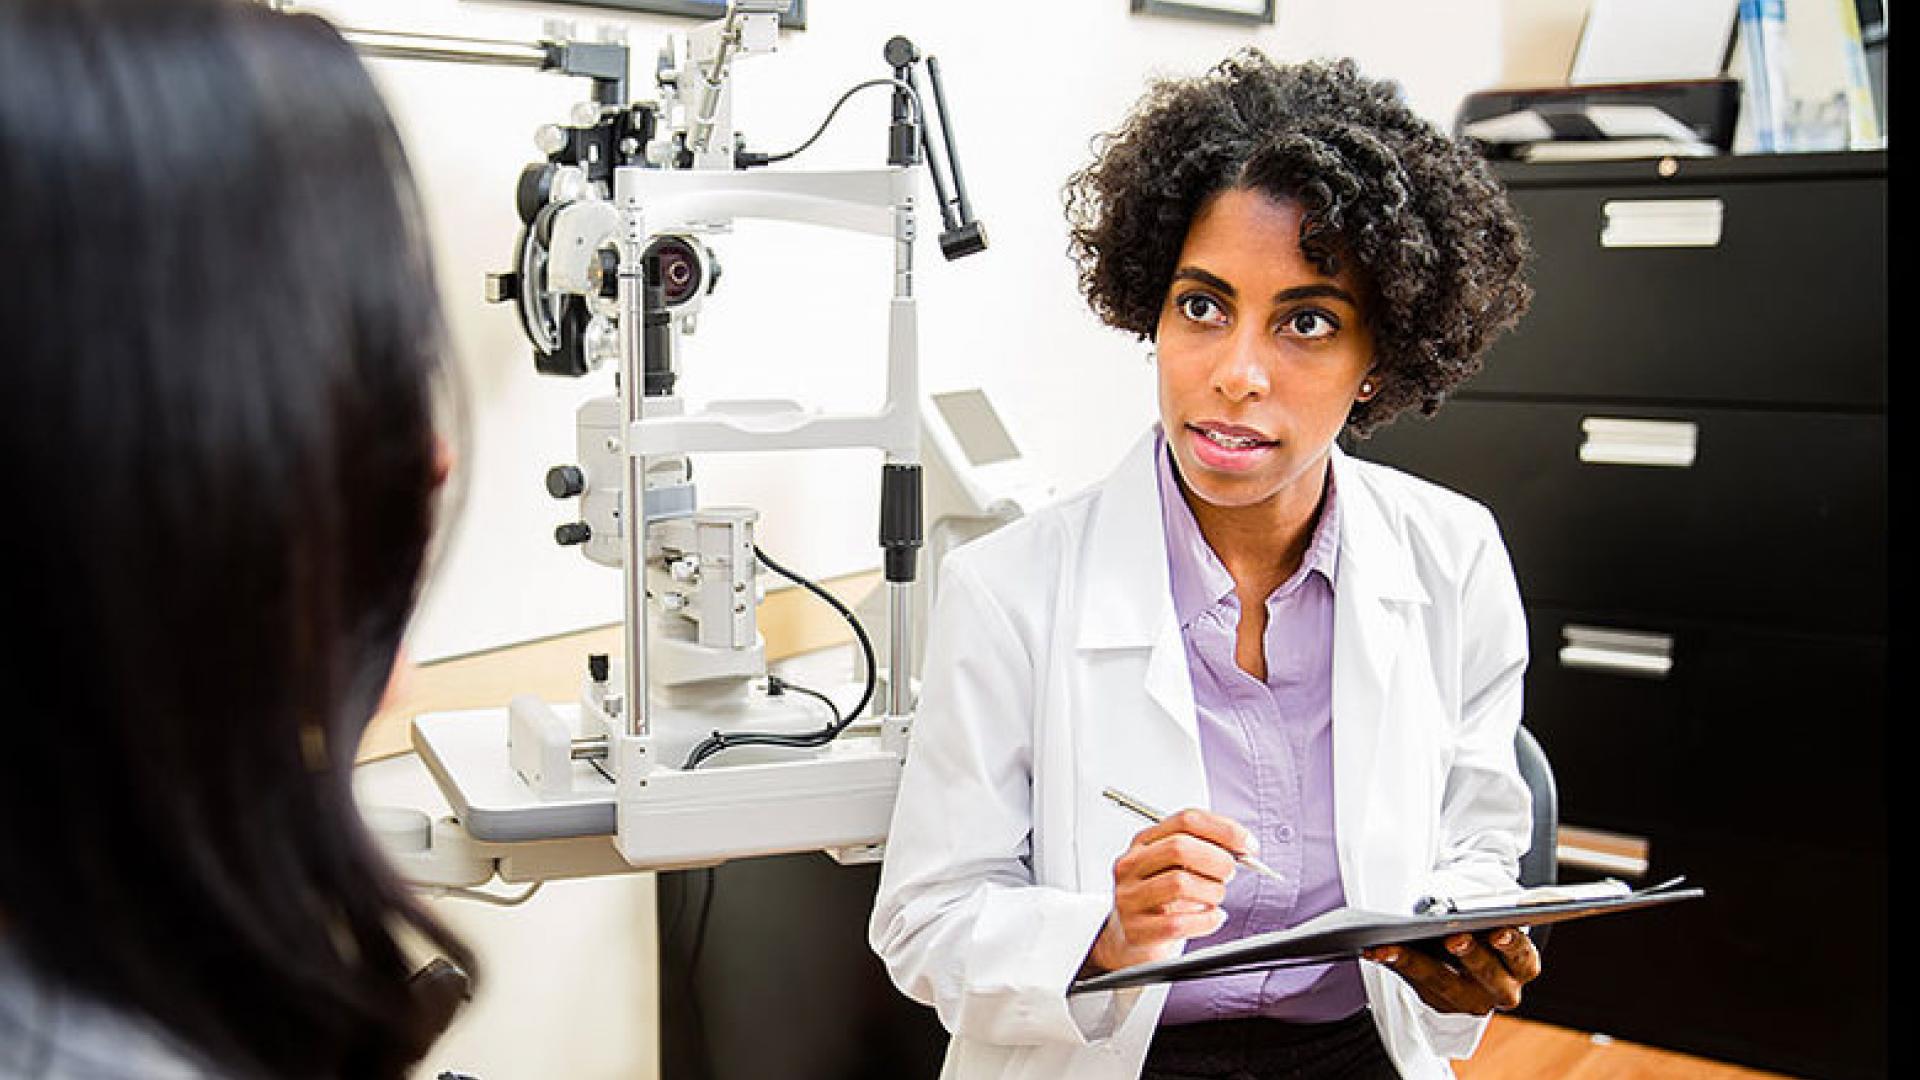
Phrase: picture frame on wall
(794,19)
(1245,12)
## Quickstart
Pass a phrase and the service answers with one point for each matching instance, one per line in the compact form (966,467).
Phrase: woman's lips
(1239,449)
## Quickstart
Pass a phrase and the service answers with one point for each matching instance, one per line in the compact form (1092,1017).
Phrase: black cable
(815,694)
(919,117)
(859,632)
(719,740)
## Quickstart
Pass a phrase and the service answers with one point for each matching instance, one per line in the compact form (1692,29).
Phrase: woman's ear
(1369,385)
(442,461)
(399,682)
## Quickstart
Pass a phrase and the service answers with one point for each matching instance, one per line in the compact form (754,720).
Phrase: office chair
(1541,864)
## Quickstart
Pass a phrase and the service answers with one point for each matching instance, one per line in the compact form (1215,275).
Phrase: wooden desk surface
(1517,1049)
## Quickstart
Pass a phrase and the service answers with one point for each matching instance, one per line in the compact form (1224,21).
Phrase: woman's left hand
(1477,973)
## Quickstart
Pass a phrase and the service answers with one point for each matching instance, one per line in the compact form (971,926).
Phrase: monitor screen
(970,416)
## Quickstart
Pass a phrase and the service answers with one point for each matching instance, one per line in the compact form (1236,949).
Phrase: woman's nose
(1240,373)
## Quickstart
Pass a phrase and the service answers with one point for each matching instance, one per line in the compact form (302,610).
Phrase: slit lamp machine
(689,752)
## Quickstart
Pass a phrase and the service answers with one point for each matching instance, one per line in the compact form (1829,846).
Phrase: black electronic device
(1707,108)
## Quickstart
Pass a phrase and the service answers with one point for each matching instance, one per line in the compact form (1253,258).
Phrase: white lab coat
(1055,668)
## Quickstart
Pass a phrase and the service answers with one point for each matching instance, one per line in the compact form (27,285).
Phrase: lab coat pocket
(1125,740)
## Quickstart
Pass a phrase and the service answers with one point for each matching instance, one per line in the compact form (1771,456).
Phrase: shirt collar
(1199,579)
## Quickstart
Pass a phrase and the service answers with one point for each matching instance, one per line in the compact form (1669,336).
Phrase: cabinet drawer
(1782,966)
(1789,305)
(1778,737)
(1781,518)
(1755,766)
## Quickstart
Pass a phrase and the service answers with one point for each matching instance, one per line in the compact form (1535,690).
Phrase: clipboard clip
(1604,889)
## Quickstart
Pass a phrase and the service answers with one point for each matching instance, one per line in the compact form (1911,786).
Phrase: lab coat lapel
(1132,699)
(1376,583)
(1128,599)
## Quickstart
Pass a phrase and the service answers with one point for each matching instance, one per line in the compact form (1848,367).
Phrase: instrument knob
(566,481)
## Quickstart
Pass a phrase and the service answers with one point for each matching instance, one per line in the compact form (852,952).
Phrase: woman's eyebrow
(1283,296)
(1194,273)
(1309,292)
(1297,292)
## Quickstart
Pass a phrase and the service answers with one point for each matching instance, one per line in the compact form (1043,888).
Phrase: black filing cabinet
(1685,443)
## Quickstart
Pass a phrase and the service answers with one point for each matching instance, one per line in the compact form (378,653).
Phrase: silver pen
(1122,799)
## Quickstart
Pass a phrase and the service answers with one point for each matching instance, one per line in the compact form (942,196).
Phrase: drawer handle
(1638,653)
(1661,223)
(1665,444)
(1602,852)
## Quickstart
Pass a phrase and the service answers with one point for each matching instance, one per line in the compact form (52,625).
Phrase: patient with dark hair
(218,389)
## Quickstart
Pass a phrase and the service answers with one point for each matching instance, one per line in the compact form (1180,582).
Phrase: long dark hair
(219,377)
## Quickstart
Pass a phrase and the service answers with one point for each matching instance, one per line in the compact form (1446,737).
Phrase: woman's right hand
(1168,887)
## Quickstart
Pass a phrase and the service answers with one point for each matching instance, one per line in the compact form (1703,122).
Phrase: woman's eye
(1310,324)
(1201,308)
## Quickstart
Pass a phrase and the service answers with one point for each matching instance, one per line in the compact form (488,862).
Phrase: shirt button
(1284,833)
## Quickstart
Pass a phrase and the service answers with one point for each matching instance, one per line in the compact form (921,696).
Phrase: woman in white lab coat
(1317,657)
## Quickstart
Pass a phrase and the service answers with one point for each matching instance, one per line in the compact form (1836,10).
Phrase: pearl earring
(1366,389)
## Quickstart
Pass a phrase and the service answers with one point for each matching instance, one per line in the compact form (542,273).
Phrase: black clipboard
(1344,933)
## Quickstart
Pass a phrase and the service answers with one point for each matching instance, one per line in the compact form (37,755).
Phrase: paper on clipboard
(1345,932)
(1541,894)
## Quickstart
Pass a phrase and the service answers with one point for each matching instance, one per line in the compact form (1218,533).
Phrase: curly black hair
(1421,217)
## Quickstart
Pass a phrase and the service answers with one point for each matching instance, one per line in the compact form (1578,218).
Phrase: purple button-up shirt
(1268,751)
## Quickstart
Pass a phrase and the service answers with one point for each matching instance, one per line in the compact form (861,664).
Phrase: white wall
(801,314)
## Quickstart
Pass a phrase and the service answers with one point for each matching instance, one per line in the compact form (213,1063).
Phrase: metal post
(633,570)
(900,593)
(900,642)
(712,82)
(445,49)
